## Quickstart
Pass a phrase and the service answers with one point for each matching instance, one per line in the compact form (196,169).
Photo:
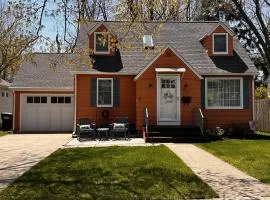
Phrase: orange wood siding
(18,105)
(17,111)
(207,42)
(127,104)
(225,117)
(146,90)
(101,28)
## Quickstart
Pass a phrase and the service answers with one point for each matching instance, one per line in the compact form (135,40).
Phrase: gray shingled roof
(184,37)
(4,83)
(45,70)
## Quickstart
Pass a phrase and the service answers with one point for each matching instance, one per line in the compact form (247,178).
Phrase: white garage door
(47,113)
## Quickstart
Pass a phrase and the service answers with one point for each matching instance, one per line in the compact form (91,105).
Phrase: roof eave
(214,28)
(103,73)
(230,74)
(48,89)
(175,52)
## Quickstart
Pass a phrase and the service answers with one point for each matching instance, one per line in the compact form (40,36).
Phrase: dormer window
(148,41)
(102,43)
(220,43)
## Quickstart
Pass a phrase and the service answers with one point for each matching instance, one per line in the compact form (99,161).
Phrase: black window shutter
(116,92)
(93,92)
(203,94)
(245,93)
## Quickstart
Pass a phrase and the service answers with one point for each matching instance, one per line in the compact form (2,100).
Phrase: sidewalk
(226,180)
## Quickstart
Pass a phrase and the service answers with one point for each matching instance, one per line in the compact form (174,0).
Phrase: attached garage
(43,92)
(43,112)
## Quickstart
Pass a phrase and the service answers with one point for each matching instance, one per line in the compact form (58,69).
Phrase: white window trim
(224,107)
(108,105)
(109,45)
(213,43)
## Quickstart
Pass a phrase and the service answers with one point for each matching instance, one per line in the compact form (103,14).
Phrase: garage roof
(45,70)
(4,83)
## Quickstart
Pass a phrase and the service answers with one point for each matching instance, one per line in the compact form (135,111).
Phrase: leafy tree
(261,92)
(248,18)
(16,38)
(250,21)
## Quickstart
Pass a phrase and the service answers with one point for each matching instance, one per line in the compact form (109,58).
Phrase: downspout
(13,110)
(75,104)
(253,99)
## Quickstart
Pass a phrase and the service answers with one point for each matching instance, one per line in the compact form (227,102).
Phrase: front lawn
(2,133)
(249,155)
(109,173)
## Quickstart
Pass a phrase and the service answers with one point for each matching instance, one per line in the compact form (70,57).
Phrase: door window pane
(60,99)
(53,99)
(43,99)
(67,99)
(36,99)
(29,100)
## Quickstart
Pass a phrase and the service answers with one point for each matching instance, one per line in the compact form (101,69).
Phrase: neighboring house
(6,99)
(268,86)
(181,67)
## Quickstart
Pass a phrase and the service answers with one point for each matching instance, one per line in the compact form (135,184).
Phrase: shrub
(238,130)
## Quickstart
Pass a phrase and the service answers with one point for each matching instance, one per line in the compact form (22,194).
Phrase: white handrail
(146,120)
(199,119)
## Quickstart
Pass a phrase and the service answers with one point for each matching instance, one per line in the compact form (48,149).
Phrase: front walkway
(19,152)
(226,180)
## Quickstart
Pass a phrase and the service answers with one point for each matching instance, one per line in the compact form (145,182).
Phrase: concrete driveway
(19,152)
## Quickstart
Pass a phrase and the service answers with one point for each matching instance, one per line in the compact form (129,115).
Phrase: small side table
(101,131)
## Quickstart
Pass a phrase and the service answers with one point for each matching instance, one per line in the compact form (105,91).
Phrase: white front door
(168,100)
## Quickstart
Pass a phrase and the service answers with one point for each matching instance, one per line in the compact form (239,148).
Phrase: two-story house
(170,68)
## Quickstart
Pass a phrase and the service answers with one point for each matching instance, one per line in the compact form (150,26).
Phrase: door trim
(178,121)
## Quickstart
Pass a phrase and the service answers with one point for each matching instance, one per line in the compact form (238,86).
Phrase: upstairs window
(220,43)
(102,43)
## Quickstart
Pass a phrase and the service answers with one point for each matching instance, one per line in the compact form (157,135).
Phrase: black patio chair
(85,128)
(121,125)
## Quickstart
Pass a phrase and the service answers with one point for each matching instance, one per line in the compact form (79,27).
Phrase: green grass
(2,133)
(109,173)
(263,133)
(249,155)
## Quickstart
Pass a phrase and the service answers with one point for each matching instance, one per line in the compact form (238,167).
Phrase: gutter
(37,89)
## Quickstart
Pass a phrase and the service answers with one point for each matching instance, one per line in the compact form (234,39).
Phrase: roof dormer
(102,41)
(218,41)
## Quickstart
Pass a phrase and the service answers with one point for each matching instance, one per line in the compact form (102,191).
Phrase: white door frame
(178,89)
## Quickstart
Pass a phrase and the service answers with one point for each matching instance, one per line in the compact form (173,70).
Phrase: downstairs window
(224,93)
(104,92)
